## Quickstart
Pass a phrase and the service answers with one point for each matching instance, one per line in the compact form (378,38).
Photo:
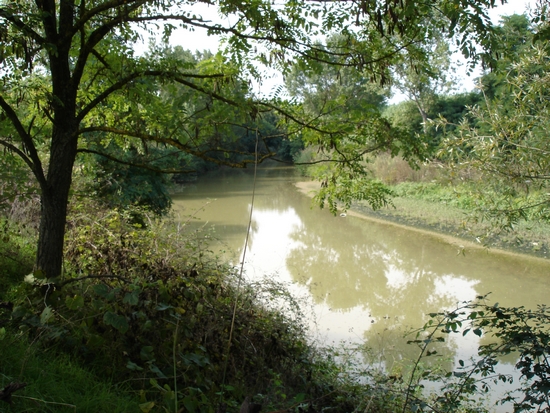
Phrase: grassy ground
(55,383)
(526,238)
(426,198)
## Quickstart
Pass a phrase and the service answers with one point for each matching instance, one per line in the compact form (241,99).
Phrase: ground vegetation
(112,291)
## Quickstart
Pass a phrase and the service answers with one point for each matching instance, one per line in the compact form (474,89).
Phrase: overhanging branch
(177,144)
(34,161)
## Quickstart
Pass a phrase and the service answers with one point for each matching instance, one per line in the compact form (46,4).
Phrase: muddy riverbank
(449,231)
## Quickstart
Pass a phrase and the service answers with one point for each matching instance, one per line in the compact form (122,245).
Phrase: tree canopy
(501,142)
(72,83)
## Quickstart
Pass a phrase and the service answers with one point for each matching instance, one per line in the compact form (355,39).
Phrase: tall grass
(55,382)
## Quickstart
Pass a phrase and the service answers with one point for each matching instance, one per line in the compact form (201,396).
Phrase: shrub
(152,307)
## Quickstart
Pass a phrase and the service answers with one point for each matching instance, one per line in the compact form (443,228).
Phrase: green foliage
(457,196)
(55,382)
(515,330)
(121,185)
(515,36)
(17,253)
(151,307)
(453,108)
(506,153)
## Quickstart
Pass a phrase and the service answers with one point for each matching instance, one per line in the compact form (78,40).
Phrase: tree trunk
(54,200)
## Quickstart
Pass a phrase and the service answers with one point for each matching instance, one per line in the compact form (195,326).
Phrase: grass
(449,209)
(55,382)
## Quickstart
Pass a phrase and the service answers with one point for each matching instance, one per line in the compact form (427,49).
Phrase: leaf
(101,289)
(190,404)
(146,407)
(477,332)
(117,321)
(46,315)
(146,353)
(75,302)
(157,371)
(131,298)
(163,307)
(133,366)
(112,294)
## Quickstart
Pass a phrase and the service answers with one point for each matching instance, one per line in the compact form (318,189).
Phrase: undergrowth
(149,309)
(152,309)
(54,382)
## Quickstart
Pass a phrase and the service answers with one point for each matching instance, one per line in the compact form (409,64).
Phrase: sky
(467,82)
(201,41)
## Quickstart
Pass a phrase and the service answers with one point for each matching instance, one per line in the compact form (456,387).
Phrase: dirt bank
(448,235)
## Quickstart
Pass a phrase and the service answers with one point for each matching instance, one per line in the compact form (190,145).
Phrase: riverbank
(450,224)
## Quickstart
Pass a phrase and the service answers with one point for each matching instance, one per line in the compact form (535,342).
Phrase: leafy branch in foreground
(504,147)
(509,330)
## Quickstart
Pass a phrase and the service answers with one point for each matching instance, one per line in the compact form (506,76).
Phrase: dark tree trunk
(54,200)
(64,140)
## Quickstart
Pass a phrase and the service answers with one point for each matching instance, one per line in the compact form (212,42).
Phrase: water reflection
(365,281)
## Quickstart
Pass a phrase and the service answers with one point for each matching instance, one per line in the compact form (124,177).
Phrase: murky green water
(363,280)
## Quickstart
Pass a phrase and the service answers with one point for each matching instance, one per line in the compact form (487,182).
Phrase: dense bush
(17,251)
(153,308)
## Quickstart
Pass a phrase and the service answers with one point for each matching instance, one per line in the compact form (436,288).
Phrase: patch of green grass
(455,210)
(55,382)
(17,254)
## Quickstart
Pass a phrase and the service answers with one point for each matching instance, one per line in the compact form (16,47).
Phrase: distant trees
(504,144)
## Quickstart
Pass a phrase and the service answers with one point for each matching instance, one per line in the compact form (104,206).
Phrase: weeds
(151,307)
(55,383)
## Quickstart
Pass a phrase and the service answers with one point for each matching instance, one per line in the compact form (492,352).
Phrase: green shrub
(151,307)
(17,254)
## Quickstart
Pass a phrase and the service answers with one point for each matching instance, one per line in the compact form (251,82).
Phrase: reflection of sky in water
(458,288)
(271,242)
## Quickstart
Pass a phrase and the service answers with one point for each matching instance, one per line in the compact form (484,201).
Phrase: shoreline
(462,244)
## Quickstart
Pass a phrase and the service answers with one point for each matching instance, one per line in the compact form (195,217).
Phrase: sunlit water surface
(362,281)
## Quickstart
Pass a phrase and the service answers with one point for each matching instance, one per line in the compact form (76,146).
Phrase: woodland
(108,305)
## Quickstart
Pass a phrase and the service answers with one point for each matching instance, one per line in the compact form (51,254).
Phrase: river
(362,281)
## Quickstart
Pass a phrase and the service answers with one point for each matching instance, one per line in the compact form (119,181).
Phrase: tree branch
(154,73)
(176,144)
(36,164)
(10,17)
(137,165)
(18,151)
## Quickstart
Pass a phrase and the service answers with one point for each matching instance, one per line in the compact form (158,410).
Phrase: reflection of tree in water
(393,277)
(386,272)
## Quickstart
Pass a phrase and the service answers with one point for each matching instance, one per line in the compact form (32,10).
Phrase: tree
(506,144)
(424,73)
(70,77)
(515,34)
